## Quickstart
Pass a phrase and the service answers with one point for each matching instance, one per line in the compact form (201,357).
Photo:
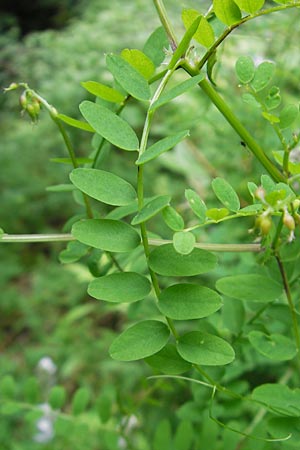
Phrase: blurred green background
(44,308)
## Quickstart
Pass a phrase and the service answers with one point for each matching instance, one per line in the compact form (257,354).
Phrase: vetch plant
(211,334)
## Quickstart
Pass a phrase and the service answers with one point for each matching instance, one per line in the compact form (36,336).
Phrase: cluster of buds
(30,104)
(285,207)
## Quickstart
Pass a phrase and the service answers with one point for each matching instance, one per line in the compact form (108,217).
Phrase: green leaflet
(250,6)
(123,287)
(140,341)
(245,69)
(226,194)
(75,123)
(273,346)
(101,90)
(168,361)
(128,77)
(285,428)
(151,209)
(184,43)
(57,397)
(205,33)
(106,234)
(163,436)
(75,250)
(110,126)
(80,400)
(176,91)
(250,287)
(141,62)
(164,260)
(217,214)
(156,45)
(205,349)
(184,242)
(227,11)
(288,116)
(173,219)
(103,186)
(197,204)
(161,146)
(263,75)
(188,301)
(278,397)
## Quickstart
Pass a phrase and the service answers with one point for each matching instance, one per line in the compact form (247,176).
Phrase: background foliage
(45,311)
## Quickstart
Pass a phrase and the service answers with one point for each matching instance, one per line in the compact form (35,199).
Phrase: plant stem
(32,238)
(293,311)
(239,128)
(161,10)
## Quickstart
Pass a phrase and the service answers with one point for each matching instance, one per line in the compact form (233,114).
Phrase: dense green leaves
(205,349)
(205,33)
(251,287)
(176,91)
(188,301)
(141,62)
(164,260)
(227,11)
(226,194)
(123,287)
(250,6)
(101,90)
(109,125)
(279,398)
(129,78)
(245,69)
(273,346)
(140,340)
(161,146)
(151,209)
(106,234)
(103,186)
(184,242)
(168,361)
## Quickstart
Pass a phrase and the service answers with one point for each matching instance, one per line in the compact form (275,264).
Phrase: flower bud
(296,204)
(289,221)
(260,193)
(11,87)
(264,224)
(23,100)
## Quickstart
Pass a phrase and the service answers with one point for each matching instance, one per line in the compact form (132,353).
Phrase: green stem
(288,294)
(162,13)
(32,238)
(239,128)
